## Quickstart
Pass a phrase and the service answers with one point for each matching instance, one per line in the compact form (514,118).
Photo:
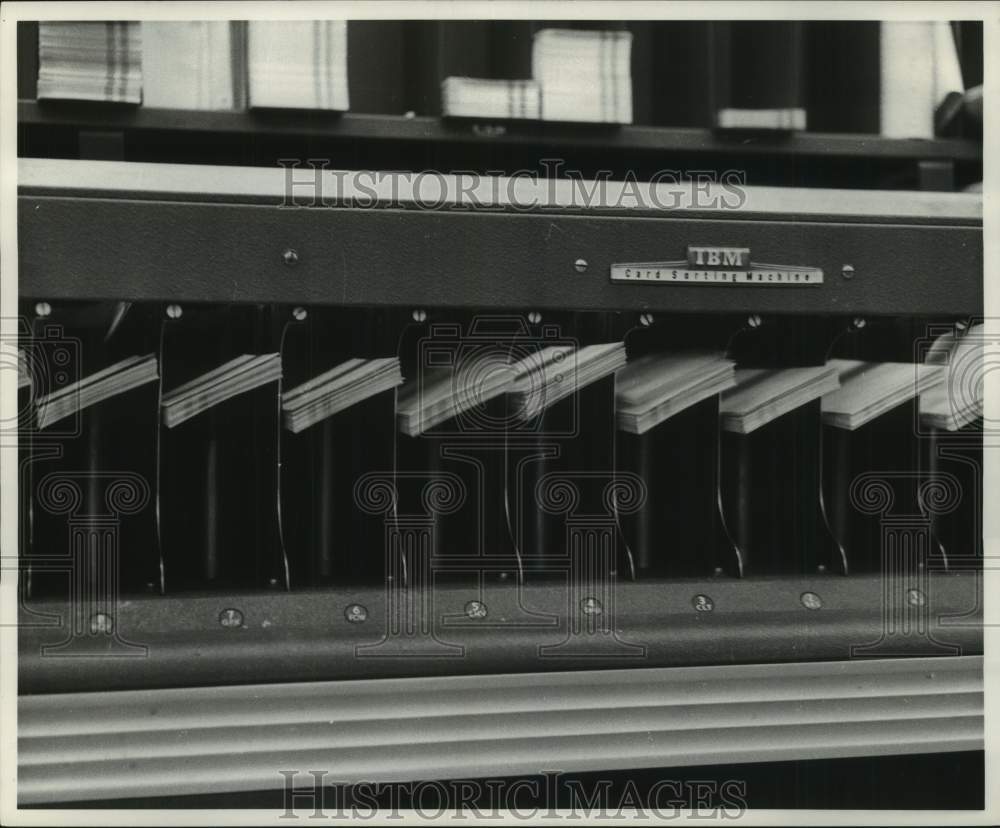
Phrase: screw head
(290,257)
(754,321)
(298,314)
(915,598)
(591,606)
(859,322)
(847,271)
(534,317)
(811,601)
(419,315)
(101,623)
(646,320)
(174,311)
(580,265)
(231,618)
(476,609)
(718,571)
(702,603)
(43,309)
(356,614)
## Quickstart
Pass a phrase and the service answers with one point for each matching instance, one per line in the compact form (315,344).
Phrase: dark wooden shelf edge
(401,128)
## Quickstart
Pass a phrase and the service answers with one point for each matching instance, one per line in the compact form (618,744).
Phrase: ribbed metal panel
(82,746)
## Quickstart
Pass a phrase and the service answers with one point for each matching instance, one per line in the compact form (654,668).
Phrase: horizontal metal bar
(84,248)
(268,185)
(358,126)
(87,746)
(179,640)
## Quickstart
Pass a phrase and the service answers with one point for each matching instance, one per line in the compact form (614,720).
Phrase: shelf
(355,126)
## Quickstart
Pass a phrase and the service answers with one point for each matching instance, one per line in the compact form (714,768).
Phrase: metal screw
(754,321)
(299,314)
(290,257)
(811,601)
(916,598)
(847,271)
(231,618)
(580,265)
(646,319)
(174,311)
(101,622)
(717,571)
(273,582)
(702,603)
(356,614)
(534,317)
(419,315)
(43,309)
(475,609)
(591,606)
(821,568)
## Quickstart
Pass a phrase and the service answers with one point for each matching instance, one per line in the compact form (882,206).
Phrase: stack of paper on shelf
(194,64)
(554,373)
(90,61)
(238,376)
(762,395)
(298,64)
(958,399)
(919,67)
(756,74)
(335,390)
(439,394)
(585,76)
(110,382)
(793,118)
(870,389)
(655,387)
(485,98)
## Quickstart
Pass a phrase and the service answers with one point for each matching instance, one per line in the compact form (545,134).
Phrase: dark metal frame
(181,640)
(84,244)
(191,251)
